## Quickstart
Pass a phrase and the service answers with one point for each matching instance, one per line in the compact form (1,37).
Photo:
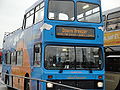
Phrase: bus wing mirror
(37,50)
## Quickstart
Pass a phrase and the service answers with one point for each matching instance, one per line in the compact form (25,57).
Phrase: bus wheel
(26,83)
(118,86)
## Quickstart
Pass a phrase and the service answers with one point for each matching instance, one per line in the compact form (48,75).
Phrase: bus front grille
(82,84)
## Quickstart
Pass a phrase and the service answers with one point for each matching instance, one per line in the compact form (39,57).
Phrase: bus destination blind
(75,32)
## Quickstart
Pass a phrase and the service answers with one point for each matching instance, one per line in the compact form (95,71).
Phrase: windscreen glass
(87,12)
(61,10)
(65,11)
(72,57)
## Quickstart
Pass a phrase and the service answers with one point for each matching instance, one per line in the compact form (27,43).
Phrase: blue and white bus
(60,41)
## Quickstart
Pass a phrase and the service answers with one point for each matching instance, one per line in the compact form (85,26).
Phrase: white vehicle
(112,48)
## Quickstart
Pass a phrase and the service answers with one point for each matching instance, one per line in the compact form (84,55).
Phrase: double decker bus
(60,42)
(112,48)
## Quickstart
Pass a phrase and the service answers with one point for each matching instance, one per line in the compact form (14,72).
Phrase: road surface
(2,87)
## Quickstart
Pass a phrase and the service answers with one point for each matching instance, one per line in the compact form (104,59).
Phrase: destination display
(75,32)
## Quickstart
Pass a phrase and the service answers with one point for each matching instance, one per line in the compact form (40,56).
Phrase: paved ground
(2,87)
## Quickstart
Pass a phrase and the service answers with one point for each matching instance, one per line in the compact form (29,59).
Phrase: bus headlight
(100,84)
(49,85)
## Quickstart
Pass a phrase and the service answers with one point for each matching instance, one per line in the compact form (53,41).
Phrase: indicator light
(50,76)
(99,77)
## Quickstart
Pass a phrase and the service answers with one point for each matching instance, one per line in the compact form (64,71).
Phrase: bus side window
(19,58)
(13,58)
(37,55)
(29,18)
(7,58)
(39,13)
(113,21)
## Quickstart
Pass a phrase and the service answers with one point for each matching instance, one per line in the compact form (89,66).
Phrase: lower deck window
(37,55)
(19,57)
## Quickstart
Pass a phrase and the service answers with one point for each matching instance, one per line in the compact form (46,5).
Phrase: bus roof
(39,1)
(111,11)
(33,6)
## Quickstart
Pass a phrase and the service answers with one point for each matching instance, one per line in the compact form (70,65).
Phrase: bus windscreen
(72,57)
(88,12)
(65,11)
(61,10)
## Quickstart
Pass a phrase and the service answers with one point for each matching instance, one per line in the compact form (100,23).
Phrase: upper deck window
(29,18)
(113,21)
(39,13)
(61,10)
(64,10)
(114,15)
(87,12)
